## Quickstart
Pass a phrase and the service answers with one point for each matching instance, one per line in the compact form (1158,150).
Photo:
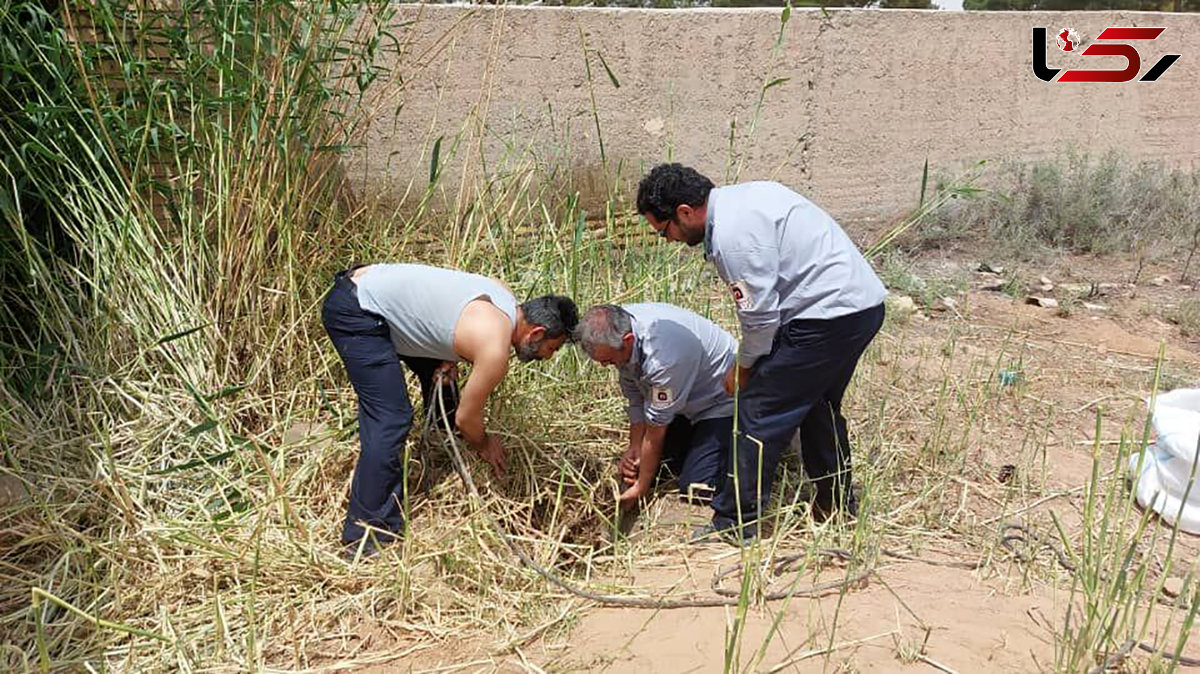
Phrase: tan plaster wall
(869,96)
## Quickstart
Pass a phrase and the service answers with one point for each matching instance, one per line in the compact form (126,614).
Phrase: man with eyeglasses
(670,364)
(808,303)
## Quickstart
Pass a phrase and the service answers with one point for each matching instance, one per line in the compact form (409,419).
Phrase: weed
(1186,315)
(898,276)
(1077,203)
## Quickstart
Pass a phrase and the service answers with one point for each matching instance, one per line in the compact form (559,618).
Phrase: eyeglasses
(662,233)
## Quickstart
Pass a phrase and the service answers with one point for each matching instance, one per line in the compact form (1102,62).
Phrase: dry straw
(184,434)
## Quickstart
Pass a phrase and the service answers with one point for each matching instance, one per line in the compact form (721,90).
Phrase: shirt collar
(636,357)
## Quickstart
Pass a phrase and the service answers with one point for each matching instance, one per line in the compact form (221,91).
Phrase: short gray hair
(603,325)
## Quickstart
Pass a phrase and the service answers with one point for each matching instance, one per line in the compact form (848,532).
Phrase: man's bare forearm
(472,429)
(489,369)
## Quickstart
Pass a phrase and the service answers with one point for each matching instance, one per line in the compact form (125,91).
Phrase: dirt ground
(1023,450)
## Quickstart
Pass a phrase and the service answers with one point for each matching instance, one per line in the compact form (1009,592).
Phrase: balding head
(606,334)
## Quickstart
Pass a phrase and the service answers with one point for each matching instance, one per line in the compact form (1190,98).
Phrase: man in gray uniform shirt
(808,303)
(428,318)
(670,363)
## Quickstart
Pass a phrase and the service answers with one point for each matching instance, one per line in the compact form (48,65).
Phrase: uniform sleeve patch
(661,397)
(741,295)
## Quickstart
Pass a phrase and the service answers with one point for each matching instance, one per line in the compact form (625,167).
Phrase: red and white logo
(1112,41)
(661,397)
(1067,39)
(741,295)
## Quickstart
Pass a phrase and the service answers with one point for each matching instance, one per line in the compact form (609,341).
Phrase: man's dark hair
(556,313)
(667,186)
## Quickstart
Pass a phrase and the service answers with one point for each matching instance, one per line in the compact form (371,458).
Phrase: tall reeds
(172,206)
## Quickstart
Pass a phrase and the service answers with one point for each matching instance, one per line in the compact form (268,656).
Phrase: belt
(345,273)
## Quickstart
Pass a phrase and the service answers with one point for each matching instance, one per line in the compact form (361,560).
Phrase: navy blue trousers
(799,385)
(697,453)
(385,414)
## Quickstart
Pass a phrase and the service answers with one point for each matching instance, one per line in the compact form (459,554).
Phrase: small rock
(12,491)
(1088,290)
(949,303)
(1173,587)
(902,305)
(1046,282)
(1094,307)
(1160,280)
(1007,472)
(989,269)
(1046,302)
(995,286)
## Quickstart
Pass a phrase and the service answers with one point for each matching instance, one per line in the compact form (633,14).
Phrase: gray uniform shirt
(422,304)
(783,258)
(679,361)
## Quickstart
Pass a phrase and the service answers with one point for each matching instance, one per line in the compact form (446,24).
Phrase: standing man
(671,364)
(428,318)
(808,303)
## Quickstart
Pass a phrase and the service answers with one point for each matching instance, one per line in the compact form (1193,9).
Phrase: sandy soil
(914,616)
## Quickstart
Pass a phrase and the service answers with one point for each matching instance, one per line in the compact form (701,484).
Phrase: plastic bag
(1168,482)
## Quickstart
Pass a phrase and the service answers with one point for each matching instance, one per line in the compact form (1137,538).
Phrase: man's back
(422,304)
(678,362)
(819,272)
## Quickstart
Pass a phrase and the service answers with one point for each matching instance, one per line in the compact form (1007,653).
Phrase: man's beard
(528,352)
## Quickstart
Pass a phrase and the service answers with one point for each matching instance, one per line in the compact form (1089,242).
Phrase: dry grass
(1108,204)
(232,563)
(186,434)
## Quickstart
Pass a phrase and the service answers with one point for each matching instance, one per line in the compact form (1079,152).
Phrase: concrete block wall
(864,98)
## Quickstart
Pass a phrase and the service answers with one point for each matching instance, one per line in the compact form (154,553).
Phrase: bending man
(428,318)
(671,363)
(808,303)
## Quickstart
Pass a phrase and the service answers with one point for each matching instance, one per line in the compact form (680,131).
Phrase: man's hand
(493,452)
(446,372)
(632,495)
(743,374)
(629,467)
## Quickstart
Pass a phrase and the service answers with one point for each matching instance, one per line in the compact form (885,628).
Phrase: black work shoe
(709,533)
